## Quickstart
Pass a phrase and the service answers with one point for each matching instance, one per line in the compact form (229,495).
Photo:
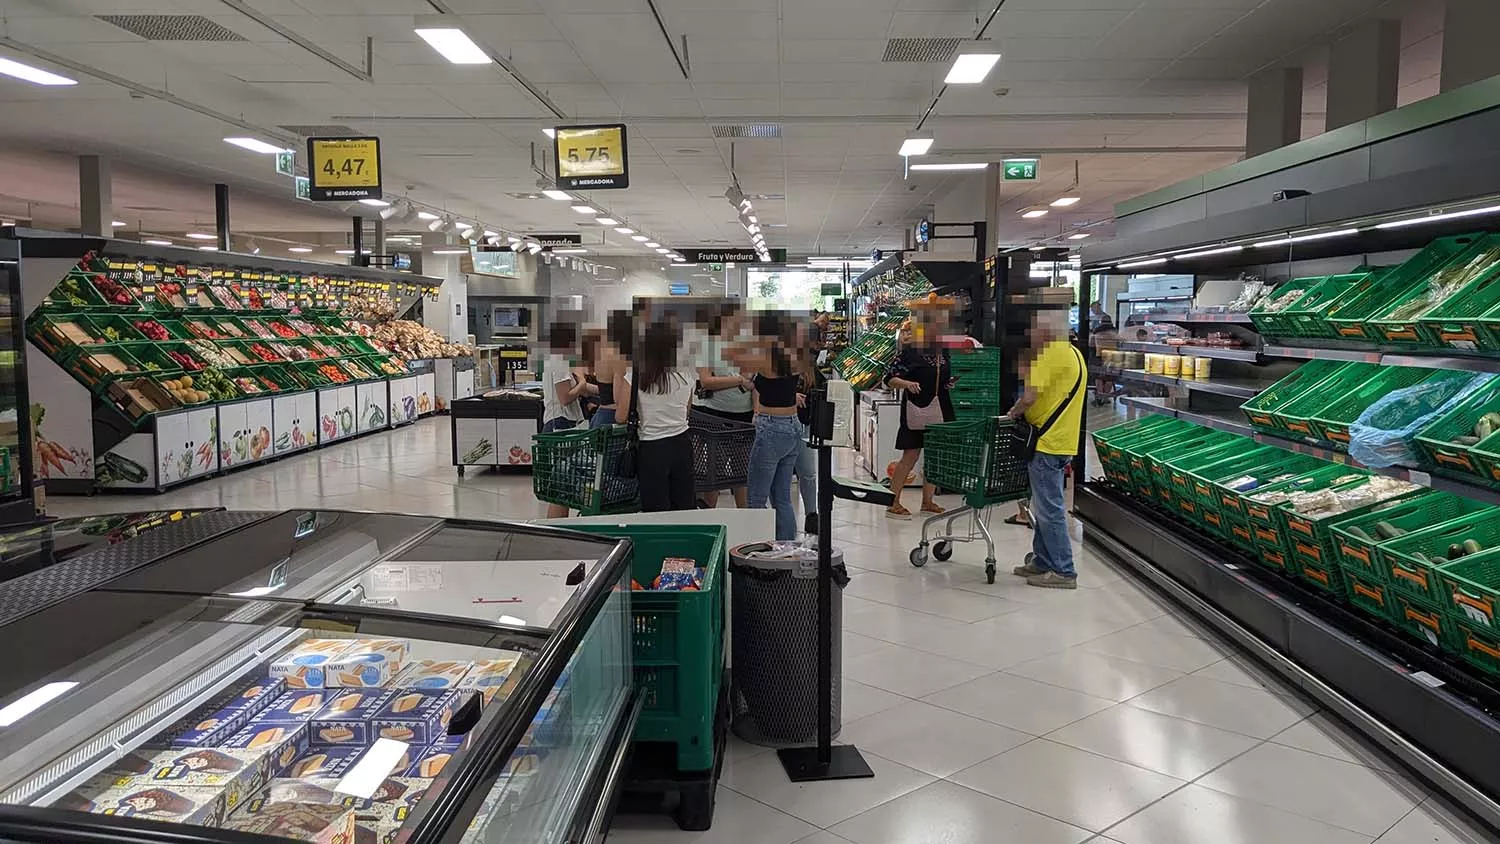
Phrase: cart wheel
(695,812)
(989,571)
(943,550)
(460,471)
(918,556)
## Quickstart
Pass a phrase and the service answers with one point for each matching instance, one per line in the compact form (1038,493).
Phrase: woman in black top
(924,374)
(773,454)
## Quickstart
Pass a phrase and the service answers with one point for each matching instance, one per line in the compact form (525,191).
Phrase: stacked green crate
(1459,322)
(1243,464)
(1402,322)
(1232,482)
(1410,562)
(1269,316)
(1449,443)
(1351,320)
(1154,455)
(1358,539)
(1261,410)
(1310,542)
(1310,314)
(976,391)
(1296,417)
(1137,469)
(1174,483)
(1262,512)
(1331,422)
(1109,443)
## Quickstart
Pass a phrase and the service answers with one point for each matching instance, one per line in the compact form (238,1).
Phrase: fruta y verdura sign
(721,255)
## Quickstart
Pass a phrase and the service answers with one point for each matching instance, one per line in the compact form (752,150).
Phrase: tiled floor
(990,713)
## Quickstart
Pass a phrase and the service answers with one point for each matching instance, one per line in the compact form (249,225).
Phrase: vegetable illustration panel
(513,441)
(187,444)
(475,442)
(336,409)
(294,422)
(129,465)
(61,416)
(426,393)
(372,405)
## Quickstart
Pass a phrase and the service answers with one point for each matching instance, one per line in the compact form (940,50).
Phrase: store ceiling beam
(680,58)
(365,74)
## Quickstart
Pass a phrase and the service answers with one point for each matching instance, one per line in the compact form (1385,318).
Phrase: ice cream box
(399,791)
(237,773)
(432,675)
(325,762)
(221,715)
(278,743)
(142,798)
(431,762)
(345,718)
(305,666)
(319,824)
(451,742)
(415,717)
(488,677)
(381,820)
(297,706)
(367,663)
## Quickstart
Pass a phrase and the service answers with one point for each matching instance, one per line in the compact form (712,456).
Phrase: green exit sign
(1019,169)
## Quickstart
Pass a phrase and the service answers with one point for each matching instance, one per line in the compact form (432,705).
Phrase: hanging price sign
(342,169)
(591,157)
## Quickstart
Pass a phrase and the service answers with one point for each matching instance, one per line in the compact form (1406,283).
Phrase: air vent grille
(172,27)
(921,49)
(748,130)
(315,131)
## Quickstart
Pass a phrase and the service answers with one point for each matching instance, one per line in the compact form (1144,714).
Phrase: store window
(794,289)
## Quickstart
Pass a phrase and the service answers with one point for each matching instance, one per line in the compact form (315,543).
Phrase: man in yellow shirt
(1053,403)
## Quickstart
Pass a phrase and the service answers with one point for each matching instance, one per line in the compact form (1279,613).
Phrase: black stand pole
(824,761)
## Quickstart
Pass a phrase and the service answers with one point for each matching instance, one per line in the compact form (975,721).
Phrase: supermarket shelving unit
(1436,159)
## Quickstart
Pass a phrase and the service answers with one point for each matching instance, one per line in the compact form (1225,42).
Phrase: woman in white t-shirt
(664,393)
(561,388)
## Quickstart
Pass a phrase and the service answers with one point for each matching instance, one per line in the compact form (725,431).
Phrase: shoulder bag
(1025,437)
(918,418)
(628,463)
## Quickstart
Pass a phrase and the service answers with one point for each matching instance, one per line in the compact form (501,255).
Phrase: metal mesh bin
(774,635)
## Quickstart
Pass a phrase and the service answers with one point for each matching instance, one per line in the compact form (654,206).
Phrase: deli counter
(312,675)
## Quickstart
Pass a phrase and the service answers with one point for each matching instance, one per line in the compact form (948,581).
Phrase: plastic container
(1331,423)
(1296,416)
(1171,365)
(1471,589)
(1187,367)
(1311,542)
(1478,646)
(1458,322)
(1437,442)
(1308,316)
(1261,410)
(1410,563)
(1155,455)
(1109,441)
(1275,323)
(1242,459)
(1352,318)
(1357,538)
(1426,622)
(1403,322)
(1266,522)
(1264,467)
(976,458)
(1203,368)
(721,451)
(678,638)
(1370,596)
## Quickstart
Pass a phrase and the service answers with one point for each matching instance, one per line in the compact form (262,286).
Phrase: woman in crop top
(664,393)
(604,361)
(778,432)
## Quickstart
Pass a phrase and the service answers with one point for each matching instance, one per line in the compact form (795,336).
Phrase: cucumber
(1466,440)
(1360,534)
(1471,546)
(1386,530)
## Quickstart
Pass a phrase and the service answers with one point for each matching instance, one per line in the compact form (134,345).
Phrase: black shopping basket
(721,451)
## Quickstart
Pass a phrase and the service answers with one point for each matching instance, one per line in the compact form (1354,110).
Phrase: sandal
(896,511)
(932,507)
(1012,520)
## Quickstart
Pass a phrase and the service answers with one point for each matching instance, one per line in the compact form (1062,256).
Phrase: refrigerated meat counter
(313,675)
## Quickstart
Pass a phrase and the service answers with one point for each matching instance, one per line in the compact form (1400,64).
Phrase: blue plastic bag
(1382,435)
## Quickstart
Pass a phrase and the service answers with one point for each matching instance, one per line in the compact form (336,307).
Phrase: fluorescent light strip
(1079,236)
(1435,218)
(157,242)
(202,236)
(299,249)
(1132,265)
(639,238)
(255,145)
(585,209)
(915,146)
(435,252)
(208,249)
(651,244)
(1306,237)
(1034,213)
(32,701)
(454,45)
(34,75)
(372,768)
(1206,252)
(559,195)
(378,203)
(427,215)
(576,250)
(625,230)
(971,68)
(607,221)
(966,165)
(1065,201)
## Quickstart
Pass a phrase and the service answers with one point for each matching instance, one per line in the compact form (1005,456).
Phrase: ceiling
(1137,93)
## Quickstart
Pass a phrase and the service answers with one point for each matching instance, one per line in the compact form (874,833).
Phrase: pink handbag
(918,418)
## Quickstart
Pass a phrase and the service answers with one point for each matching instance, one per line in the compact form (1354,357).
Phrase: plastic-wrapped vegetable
(1383,434)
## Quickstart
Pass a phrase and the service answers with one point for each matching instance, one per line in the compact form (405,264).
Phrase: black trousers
(665,474)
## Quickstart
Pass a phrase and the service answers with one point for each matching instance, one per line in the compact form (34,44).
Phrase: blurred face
(904,336)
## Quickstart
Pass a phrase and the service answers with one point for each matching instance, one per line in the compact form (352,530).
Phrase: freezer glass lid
(27,548)
(255,716)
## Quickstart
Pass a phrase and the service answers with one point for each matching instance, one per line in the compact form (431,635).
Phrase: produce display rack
(151,368)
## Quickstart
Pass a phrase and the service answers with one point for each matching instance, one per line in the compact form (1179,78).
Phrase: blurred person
(1053,400)
(778,433)
(602,362)
(923,372)
(1101,333)
(806,468)
(723,388)
(561,389)
(664,392)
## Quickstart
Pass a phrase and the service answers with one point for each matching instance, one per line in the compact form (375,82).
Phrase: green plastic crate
(1487,455)
(975,360)
(1478,646)
(1180,467)
(1109,441)
(1311,541)
(576,469)
(1426,622)
(1402,323)
(1314,321)
(1352,319)
(1471,588)
(1266,524)
(1159,451)
(1370,596)
(1276,323)
(1458,322)
(1139,469)
(1410,563)
(1163,466)
(1307,317)
(1357,540)
(1436,441)
(1248,460)
(1331,423)
(678,637)
(1261,410)
(1296,417)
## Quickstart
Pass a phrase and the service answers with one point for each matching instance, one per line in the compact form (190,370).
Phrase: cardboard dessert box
(345,718)
(367,663)
(315,823)
(305,666)
(415,717)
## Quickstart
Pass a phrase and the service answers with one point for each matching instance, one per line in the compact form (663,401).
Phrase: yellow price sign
(342,169)
(591,157)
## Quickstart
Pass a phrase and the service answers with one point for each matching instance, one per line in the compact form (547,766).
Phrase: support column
(1364,69)
(379,246)
(1275,110)
(1469,53)
(358,232)
(991,208)
(95,200)
(221,215)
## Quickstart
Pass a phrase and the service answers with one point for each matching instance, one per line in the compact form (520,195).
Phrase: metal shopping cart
(974,458)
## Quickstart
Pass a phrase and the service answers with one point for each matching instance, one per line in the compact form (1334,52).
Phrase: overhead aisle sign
(591,157)
(343,169)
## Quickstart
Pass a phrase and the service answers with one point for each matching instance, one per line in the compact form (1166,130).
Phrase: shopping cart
(721,451)
(974,458)
(577,469)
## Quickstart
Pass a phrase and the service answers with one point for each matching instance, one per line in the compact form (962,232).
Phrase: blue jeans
(1049,515)
(602,418)
(773,459)
(807,474)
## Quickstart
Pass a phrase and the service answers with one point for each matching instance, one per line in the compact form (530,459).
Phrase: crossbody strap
(1056,414)
(634,416)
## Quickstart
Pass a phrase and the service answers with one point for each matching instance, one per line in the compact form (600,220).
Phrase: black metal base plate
(844,763)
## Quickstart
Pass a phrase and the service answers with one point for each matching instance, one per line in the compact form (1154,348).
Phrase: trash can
(774,641)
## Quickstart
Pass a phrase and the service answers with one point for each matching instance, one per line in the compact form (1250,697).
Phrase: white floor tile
(1194,815)
(1068,784)
(1056,622)
(931,739)
(947,813)
(894,624)
(985,648)
(1431,823)
(822,804)
(1095,674)
(1238,709)
(1180,653)
(1242,671)
(910,672)
(823,837)
(858,700)
(1323,735)
(1350,796)
(735,817)
(1153,741)
(1019,703)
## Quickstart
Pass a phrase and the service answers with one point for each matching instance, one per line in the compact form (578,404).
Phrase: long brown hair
(656,357)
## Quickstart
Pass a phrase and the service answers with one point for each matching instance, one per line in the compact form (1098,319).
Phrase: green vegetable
(1360,534)
(1455,551)
(1472,546)
(1386,530)
(1466,440)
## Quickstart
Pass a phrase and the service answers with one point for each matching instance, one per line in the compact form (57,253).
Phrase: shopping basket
(977,459)
(721,451)
(577,470)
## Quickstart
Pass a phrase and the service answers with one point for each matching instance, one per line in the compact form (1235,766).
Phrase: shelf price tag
(341,169)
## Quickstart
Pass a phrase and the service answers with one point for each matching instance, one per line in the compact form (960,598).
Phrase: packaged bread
(415,716)
(297,706)
(317,823)
(366,663)
(305,666)
(432,675)
(488,677)
(345,717)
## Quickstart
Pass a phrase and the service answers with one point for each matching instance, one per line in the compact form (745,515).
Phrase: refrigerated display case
(15,408)
(320,676)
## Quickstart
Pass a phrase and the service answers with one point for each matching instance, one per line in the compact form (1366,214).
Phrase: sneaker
(810,523)
(1028,570)
(1052,580)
